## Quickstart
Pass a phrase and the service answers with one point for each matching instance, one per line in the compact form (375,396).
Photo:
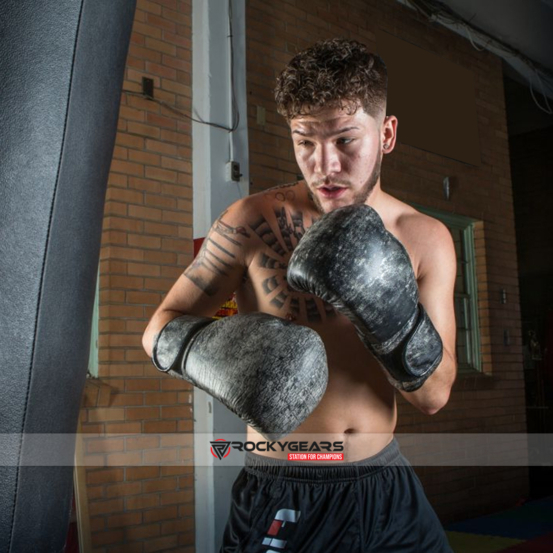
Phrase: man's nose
(327,161)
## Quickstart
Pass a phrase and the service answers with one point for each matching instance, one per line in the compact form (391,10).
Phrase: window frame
(466,226)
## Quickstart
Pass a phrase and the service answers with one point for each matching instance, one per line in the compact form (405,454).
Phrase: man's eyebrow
(339,131)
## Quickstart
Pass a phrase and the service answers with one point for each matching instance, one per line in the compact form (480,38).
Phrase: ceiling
(527,25)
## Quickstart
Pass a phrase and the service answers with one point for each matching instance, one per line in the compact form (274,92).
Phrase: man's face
(339,155)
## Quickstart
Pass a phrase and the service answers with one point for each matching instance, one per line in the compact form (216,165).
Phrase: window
(465,297)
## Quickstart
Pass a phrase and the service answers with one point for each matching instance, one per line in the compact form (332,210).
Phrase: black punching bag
(61,71)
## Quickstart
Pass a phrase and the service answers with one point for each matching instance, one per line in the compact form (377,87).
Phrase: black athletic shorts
(374,505)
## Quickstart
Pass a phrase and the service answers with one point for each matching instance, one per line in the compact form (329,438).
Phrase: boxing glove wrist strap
(415,357)
(174,340)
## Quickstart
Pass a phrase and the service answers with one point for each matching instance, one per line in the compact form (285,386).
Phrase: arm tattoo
(215,256)
(226,231)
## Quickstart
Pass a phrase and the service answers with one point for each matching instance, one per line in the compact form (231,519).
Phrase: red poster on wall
(229,307)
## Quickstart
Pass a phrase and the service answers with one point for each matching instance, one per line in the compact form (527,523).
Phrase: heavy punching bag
(61,70)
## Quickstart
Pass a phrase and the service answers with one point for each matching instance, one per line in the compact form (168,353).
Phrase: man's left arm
(436,281)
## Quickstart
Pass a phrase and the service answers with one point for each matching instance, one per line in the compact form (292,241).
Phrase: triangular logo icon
(220,448)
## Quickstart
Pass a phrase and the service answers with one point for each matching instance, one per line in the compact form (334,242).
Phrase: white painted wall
(212,194)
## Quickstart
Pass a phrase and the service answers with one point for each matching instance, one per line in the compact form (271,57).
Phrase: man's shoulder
(263,208)
(411,220)
(430,241)
(427,239)
(290,195)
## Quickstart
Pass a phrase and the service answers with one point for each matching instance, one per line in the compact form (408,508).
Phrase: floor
(524,529)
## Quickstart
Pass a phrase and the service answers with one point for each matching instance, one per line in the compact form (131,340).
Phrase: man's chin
(330,205)
(326,205)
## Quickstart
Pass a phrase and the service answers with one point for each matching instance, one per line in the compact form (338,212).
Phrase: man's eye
(304,143)
(344,140)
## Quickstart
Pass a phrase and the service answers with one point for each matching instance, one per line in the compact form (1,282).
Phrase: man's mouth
(331,191)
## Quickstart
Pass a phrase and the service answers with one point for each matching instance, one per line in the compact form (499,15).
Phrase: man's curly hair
(332,73)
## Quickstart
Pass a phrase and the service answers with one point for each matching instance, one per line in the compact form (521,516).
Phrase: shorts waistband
(297,470)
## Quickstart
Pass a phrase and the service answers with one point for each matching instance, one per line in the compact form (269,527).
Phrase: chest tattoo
(281,237)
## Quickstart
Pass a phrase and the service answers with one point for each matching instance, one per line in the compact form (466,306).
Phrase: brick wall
(140,491)
(494,400)
(140,482)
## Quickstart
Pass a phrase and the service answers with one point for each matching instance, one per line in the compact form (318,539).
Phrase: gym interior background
(496,201)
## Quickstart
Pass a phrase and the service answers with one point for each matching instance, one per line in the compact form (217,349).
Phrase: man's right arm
(211,278)
(268,371)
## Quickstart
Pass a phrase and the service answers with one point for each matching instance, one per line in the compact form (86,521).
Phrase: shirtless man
(333,96)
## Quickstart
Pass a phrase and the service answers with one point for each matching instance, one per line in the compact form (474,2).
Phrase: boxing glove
(268,371)
(348,259)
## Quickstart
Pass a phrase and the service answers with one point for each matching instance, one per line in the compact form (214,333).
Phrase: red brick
(122,490)
(141,473)
(143,130)
(176,412)
(124,459)
(161,22)
(183,496)
(103,445)
(161,147)
(160,427)
(142,413)
(145,158)
(105,538)
(164,484)
(142,442)
(176,526)
(127,399)
(104,476)
(127,167)
(160,46)
(143,532)
(105,507)
(160,456)
(106,414)
(142,384)
(163,513)
(160,544)
(161,174)
(176,470)
(142,502)
(148,6)
(162,398)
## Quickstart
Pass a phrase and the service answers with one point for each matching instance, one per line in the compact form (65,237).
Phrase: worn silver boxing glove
(348,259)
(268,371)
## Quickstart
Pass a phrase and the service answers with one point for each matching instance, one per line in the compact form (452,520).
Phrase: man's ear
(389,133)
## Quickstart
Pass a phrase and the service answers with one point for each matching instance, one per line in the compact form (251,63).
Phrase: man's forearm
(160,318)
(434,393)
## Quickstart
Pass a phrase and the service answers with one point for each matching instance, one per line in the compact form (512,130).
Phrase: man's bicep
(204,285)
(209,280)
(436,288)
(213,276)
